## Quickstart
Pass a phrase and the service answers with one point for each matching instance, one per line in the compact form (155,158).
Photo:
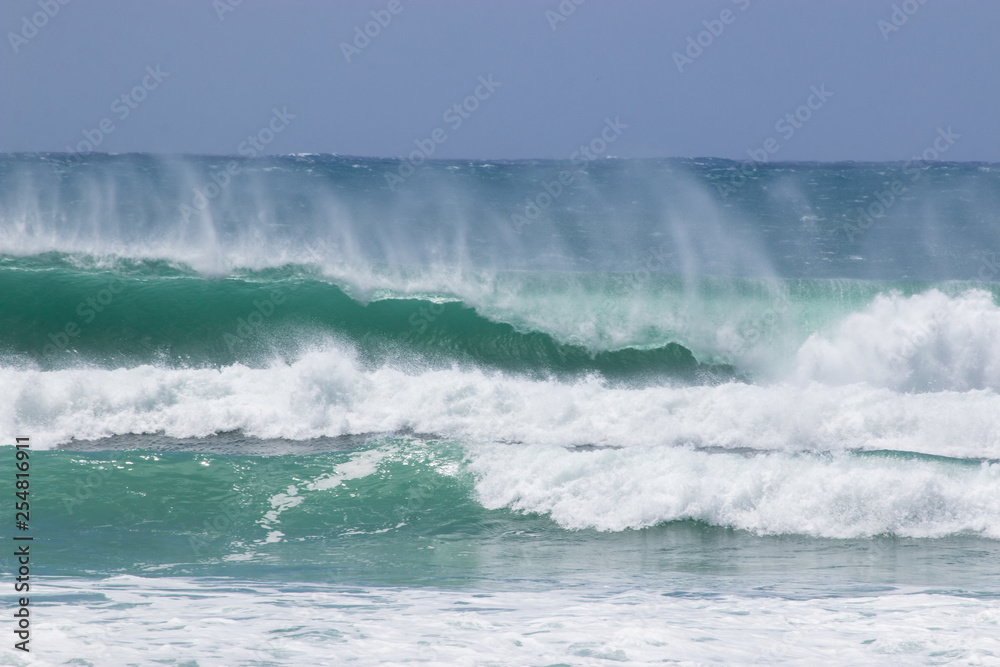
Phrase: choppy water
(679,410)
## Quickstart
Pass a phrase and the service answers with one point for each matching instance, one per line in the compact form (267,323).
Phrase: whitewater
(680,410)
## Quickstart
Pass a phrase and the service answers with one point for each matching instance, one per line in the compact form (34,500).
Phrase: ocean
(323,410)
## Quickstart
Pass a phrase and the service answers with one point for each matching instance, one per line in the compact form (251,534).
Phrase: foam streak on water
(583,626)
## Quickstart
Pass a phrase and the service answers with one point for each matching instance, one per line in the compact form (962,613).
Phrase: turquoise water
(319,421)
(414,519)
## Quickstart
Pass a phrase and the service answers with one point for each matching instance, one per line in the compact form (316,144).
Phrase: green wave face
(154,313)
(55,312)
(396,510)
(213,514)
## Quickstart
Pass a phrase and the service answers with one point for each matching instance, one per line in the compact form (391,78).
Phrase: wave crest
(924,342)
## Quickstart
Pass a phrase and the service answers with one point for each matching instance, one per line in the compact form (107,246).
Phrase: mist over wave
(459,221)
(646,344)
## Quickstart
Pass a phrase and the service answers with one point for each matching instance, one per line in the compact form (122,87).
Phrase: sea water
(292,410)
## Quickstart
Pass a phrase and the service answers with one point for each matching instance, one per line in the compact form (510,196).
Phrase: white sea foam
(801,480)
(925,342)
(326,393)
(837,496)
(867,384)
(242,623)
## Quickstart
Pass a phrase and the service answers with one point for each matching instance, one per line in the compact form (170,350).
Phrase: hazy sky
(225,67)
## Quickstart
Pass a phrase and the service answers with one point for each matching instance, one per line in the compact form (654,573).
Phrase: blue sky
(224,68)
